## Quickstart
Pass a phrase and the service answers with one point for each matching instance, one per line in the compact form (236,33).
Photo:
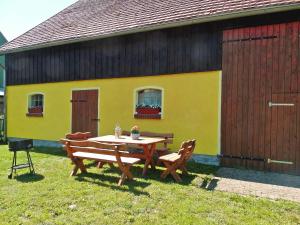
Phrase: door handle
(96,119)
(271,104)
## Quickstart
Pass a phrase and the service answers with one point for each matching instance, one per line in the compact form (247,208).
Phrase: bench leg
(176,176)
(78,164)
(183,170)
(166,172)
(100,165)
(171,169)
(126,174)
(149,151)
(74,171)
(81,166)
(122,179)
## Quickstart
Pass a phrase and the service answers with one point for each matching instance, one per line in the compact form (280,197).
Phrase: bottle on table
(118,131)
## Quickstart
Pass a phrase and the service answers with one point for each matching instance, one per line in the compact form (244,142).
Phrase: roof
(92,19)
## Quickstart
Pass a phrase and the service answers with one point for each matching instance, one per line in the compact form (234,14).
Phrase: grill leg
(14,162)
(31,168)
(15,170)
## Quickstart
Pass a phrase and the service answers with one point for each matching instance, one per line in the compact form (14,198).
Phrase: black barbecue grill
(20,145)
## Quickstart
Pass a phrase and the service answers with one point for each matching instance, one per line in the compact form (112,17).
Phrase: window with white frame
(36,104)
(148,103)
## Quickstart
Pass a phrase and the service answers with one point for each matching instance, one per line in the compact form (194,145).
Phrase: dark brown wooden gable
(170,51)
(192,48)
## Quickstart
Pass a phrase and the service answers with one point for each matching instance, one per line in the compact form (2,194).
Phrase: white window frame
(29,96)
(136,94)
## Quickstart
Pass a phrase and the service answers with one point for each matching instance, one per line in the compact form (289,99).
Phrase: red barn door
(261,97)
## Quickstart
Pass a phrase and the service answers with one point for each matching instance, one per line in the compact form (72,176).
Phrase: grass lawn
(52,197)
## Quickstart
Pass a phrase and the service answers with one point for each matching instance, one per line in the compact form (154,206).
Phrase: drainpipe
(4,103)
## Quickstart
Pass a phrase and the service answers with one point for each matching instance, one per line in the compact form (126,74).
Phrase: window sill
(147,116)
(34,114)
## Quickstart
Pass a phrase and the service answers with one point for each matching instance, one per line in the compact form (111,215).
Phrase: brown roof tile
(87,19)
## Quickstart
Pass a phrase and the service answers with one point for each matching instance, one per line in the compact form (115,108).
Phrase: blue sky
(19,16)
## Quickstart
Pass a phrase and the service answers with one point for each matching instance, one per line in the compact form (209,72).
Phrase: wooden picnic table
(147,143)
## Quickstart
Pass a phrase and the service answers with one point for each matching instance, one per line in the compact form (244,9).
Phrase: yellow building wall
(191,106)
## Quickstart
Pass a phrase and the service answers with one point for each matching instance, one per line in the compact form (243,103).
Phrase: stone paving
(256,183)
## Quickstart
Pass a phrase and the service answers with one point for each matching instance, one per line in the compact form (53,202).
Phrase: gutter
(205,19)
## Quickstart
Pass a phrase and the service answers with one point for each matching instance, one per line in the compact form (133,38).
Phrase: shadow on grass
(199,168)
(209,183)
(105,174)
(29,177)
(100,179)
(50,151)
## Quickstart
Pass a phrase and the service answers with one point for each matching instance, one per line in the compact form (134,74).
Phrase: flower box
(147,110)
(35,110)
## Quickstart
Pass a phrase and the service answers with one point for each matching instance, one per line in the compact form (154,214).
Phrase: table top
(128,140)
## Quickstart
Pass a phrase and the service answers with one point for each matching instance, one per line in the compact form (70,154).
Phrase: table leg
(149,151)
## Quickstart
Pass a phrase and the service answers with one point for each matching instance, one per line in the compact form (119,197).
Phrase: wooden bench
(100,152)
(177,161)
(163,150)
(78,136)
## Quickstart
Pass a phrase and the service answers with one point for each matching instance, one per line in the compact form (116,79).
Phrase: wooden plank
(104,57)
(256,97)
(288,57)
(84,58)
(274,85)
(72,64)
(286,121)
(298,107)
(92,67)
(281,137)
(65,61)
(227,98)
(274,130)
(286,151)
(52,65)
(99,69)
(245,95)
(297,167)
(202,49)
(238,103)
(268,94)
(225,64)
(294,36)
(294,57)
(84,109)
(262,96)
(292,157)
(155,46)
(233,99)
(148,55)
